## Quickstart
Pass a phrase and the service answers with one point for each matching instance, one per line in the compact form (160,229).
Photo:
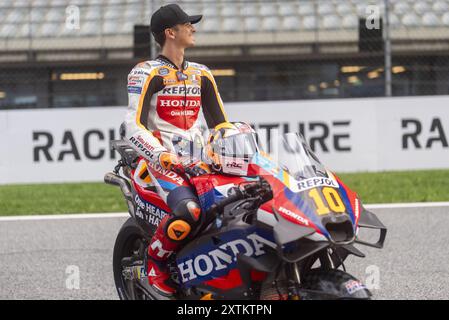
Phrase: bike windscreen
(295,156)
(290,151)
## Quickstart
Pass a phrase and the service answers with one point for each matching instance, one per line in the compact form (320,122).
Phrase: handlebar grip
(223,203)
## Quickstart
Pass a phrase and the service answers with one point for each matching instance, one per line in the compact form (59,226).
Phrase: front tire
(334,284)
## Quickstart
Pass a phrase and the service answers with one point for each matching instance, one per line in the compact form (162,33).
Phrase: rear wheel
(128,262)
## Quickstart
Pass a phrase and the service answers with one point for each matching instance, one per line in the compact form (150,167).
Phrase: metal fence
(77,53)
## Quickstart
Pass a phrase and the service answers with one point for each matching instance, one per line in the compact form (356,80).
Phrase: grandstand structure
(73,53)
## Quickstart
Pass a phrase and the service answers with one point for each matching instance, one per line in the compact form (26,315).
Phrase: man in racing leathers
(166,96)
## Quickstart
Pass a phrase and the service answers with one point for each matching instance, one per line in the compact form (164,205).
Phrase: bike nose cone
(340,228)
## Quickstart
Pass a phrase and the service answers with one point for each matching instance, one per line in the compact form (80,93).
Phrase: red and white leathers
(165,101)
(165,104)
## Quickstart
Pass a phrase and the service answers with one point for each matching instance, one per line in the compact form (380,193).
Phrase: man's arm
(212,104)
(143,82)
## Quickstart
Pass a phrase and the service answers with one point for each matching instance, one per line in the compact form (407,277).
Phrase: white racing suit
(165,104)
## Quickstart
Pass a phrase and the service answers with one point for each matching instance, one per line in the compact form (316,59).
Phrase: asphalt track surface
(35,256)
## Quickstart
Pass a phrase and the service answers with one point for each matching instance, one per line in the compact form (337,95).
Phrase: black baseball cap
(169,16)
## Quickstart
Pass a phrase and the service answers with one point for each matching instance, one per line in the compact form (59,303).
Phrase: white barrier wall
(348,135)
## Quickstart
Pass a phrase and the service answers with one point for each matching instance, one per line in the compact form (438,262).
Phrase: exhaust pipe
(116,180)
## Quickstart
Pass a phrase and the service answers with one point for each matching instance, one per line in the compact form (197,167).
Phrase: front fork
(294,274)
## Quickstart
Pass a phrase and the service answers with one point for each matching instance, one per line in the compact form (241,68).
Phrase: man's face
(184,35)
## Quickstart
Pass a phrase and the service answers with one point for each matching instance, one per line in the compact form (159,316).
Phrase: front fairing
(306,193)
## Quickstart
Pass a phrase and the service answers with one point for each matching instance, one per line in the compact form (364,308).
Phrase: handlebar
(260,191)
(217,207)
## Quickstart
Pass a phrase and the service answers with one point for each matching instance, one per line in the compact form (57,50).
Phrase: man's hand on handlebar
(171,161)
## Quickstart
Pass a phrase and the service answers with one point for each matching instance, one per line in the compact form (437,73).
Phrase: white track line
(125,214)
(66,216)
(407,205)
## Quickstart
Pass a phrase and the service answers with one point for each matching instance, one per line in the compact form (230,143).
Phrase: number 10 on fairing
(332,198)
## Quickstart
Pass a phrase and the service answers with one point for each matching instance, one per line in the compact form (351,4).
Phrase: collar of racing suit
(168,62)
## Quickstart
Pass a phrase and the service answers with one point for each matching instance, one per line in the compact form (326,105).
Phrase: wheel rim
(131,248)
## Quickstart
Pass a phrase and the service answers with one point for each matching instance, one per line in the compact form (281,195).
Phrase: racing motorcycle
(281,232)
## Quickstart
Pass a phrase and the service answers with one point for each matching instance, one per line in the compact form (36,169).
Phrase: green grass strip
(399,186)
(382,187)
(60,198)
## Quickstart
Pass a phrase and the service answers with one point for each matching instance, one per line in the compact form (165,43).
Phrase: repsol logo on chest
(91,144)
(181,90)
(222,257)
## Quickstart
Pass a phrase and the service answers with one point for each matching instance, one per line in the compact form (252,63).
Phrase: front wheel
(333,284)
